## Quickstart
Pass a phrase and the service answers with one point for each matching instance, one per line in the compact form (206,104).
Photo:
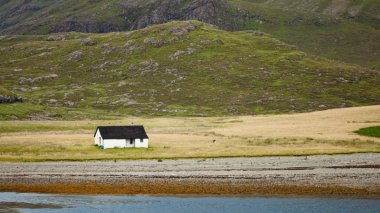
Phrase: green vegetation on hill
(178,68)
(5,92)
(341,30)
(373,131)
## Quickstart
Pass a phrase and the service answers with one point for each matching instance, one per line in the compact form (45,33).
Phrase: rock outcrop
(130,15)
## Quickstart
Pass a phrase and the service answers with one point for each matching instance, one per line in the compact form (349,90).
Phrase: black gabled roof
(122,132)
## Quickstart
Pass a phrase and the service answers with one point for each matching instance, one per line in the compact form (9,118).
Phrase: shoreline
(9,160)
(196,190)
(352,176)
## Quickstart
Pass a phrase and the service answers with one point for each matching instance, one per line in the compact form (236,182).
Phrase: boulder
(74,55)
(87,41)
(69,104)
(55,38)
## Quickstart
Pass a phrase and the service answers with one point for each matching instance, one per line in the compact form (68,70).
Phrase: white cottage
(121,137)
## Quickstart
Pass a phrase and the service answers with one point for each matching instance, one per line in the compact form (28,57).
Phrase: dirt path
(351,175)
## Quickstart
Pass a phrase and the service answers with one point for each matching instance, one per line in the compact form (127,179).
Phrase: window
(142,140)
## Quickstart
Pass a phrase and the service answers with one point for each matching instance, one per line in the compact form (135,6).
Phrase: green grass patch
(20,110)
(373,131)
(12,128)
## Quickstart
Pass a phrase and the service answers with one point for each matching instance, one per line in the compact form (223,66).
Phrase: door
(130,142)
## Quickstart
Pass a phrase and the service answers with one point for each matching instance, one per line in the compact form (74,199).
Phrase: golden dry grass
(323,132)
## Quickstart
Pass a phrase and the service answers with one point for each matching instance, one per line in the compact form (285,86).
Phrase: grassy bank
(324,132)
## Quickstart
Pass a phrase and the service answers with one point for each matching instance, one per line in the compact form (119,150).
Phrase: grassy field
(324,132)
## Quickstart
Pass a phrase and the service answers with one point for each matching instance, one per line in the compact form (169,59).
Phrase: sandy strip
(324,175)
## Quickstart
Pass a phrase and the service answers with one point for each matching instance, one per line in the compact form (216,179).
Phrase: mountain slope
(42,17)
(363,11)
(338,29)
(178,68)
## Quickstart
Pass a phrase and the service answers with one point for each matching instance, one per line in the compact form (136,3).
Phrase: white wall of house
(125,143)
(141,142)
(116,143)
(98,138)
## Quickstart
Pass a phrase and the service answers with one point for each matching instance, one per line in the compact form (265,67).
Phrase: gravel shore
(351,175)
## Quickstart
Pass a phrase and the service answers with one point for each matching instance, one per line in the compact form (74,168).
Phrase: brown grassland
(322,132)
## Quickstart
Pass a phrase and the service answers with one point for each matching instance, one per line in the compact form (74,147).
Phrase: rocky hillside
(178,68)
(7,96)
(338,29)
(42,17)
